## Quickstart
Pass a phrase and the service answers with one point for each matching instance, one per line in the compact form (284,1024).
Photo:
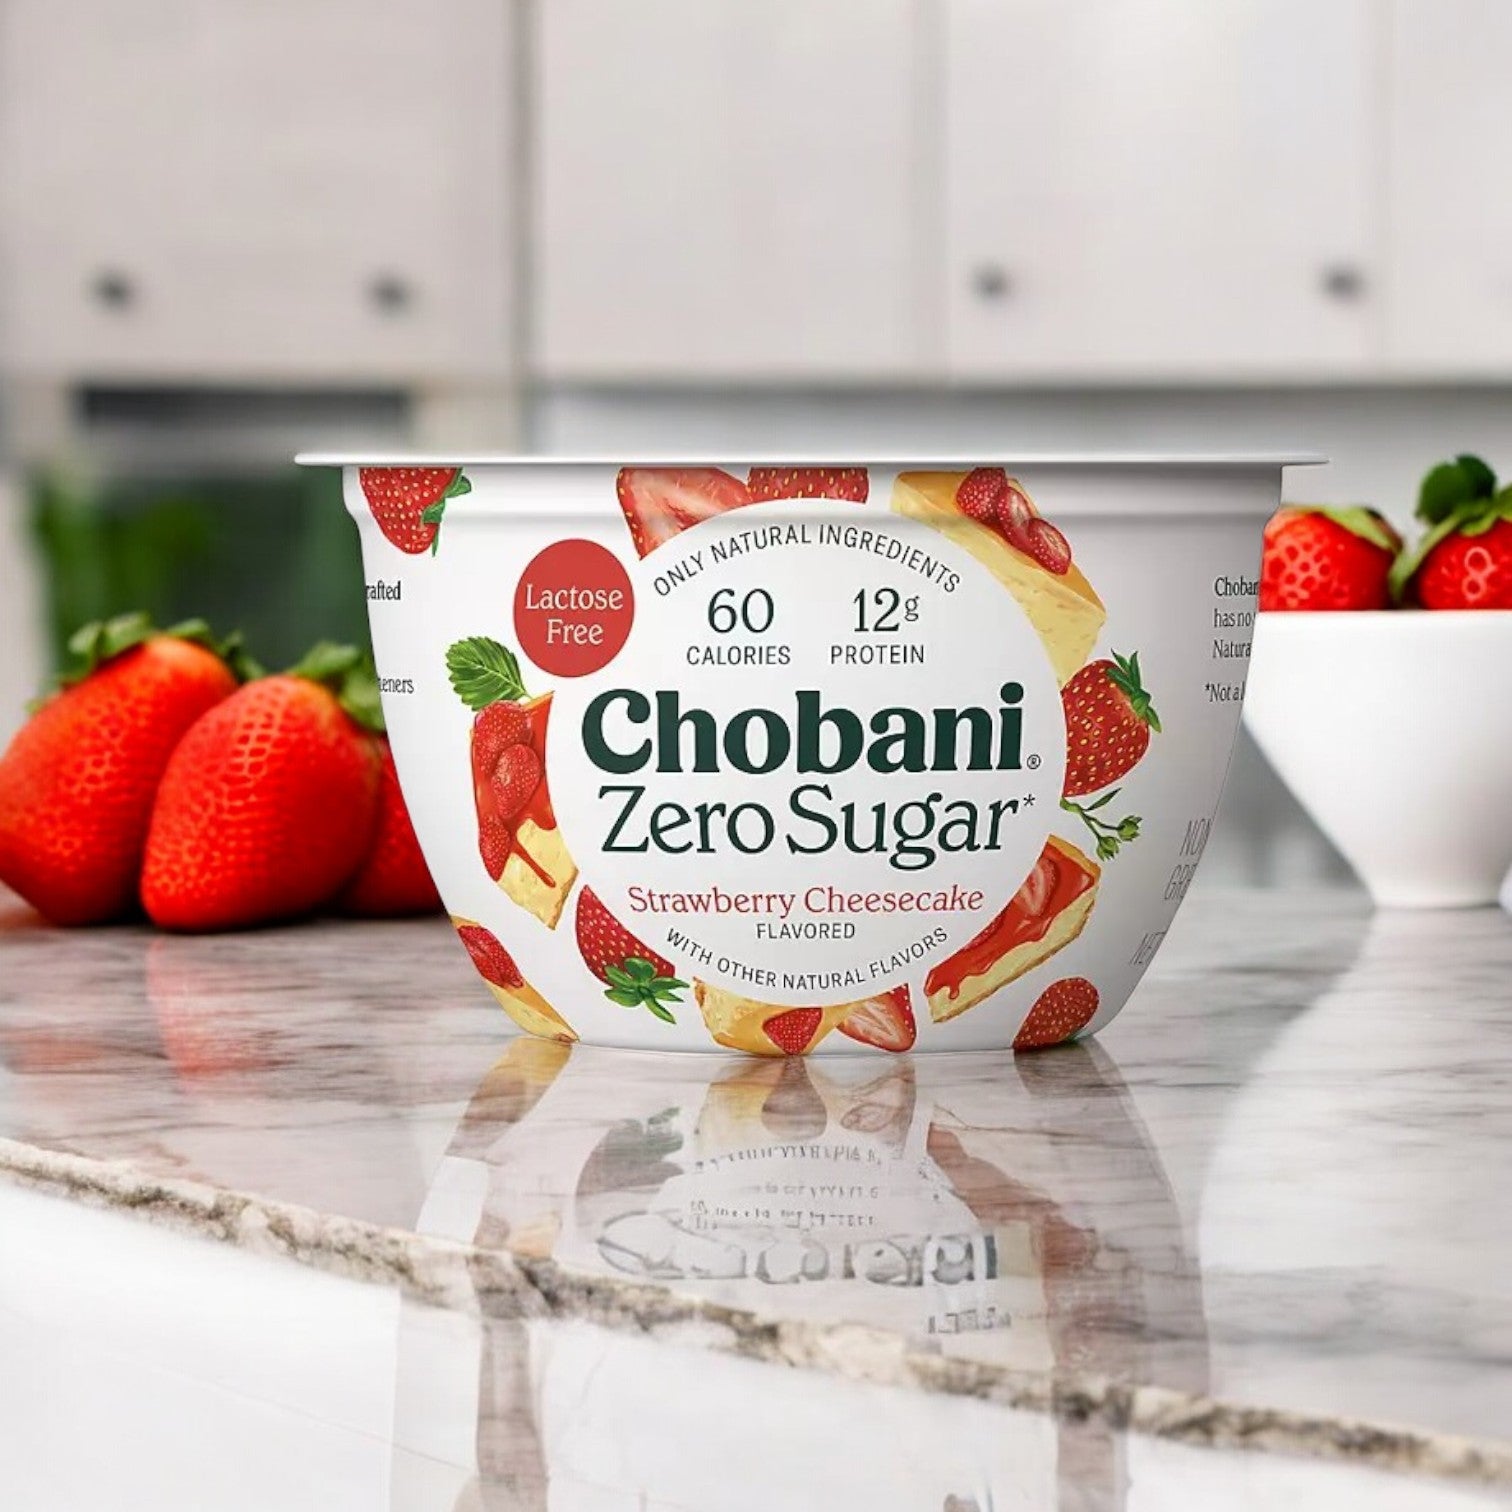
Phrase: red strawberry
(408,502)
(495,729)
(1015,514)
(1468,571)
(809,483)
(1047,546)
(658,502)
(1064,1008)
(1327,559)
(792,1031)
(268,805)
(515,778)
(494,963)
(394,880)
(1039,886)
(885,1021)
(636,975)
(1109,719)
(78,781)
(979,493)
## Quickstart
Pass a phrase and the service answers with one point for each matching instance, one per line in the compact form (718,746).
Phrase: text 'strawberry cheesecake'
(804,758)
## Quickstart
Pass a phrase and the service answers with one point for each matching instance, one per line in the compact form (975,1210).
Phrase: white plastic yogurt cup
(788,757)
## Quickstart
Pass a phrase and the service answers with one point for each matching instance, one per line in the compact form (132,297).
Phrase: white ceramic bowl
(811,729)
(1394,730)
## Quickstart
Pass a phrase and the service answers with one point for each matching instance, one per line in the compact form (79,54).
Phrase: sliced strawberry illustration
(635,975)
(885,1021)
(1048,546)
(494,963)
(408,503)
(660,502)
(979,493)
(809,483)
(516,776)
(1064,1008)
(792,1031)
(497,727)
(1015,514)
(1039,886)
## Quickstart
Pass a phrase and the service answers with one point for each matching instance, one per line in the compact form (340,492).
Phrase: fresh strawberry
(792,1031)
(1465,559)
(885,1021)
(1468,570)
(494,963)
(979,493)
(809,483)
(408,502)
(394,880)
(516,776)
(1318,558)
(1047,546)
(658,502)
(636,976)
(1064,1008)
(268,804)
(1109,719)
(78,781)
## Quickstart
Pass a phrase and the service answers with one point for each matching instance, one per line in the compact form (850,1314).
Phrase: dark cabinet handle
(990,281)
(1343,282)
(390,294)
(113,290)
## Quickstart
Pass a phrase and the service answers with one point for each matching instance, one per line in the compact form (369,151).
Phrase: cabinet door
(283,189)
(1162,189)
(1450,224)
(726,187)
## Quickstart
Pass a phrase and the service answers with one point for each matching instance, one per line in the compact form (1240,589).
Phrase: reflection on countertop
(1262,1210)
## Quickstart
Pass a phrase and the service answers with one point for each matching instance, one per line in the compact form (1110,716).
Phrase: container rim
(949,461)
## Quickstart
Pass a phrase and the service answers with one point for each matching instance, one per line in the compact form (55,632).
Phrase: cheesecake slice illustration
(742,1023)
(1041,918)
(990,515)
(513,993)
(518,838)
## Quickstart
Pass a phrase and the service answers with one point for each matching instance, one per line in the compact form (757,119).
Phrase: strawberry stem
(101,641)
(637,984)
(350,674)
(1125,677)
(1109,836)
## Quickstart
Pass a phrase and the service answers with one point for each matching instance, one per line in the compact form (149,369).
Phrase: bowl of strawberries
(1377,685)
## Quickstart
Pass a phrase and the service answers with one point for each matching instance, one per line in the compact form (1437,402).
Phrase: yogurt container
(791,758)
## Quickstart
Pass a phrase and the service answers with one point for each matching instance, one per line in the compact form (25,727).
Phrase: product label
(765,792)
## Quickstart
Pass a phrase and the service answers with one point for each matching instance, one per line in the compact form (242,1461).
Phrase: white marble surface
(1266,1211)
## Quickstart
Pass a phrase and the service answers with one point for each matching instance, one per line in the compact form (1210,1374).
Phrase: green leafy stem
(637,984)
(1109,836)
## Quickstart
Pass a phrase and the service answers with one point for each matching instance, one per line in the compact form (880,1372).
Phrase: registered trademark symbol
(1032,762)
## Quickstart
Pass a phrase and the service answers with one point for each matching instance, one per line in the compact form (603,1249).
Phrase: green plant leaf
(1359,520)
(458,486)
(1109,836)
(661,1012)
(1450,485)
(624,997)
(1479,473)
(640,969)
(483,672)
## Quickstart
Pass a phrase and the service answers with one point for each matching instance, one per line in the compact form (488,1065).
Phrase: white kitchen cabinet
(288,189)
(1161,190)
(731,188)
(1449,295)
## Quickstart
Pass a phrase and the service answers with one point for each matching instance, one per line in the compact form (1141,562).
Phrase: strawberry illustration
(494,963)
(408,502)
(1465,559)
(809,483)
(78,781)
(1047,546)
(979,492)
(792,1031)
(660,502)
(1063,1009)
(1317,558)
(394,880)
(885,1021)
(1109,720)
(268,805)
(636,976)
(516,776)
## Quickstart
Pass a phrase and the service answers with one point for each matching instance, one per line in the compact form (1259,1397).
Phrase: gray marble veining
(1267,1208)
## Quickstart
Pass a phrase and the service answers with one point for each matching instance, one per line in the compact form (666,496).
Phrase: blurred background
(228,230)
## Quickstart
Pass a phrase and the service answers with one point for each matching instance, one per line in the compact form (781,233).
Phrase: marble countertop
(1267,1209)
